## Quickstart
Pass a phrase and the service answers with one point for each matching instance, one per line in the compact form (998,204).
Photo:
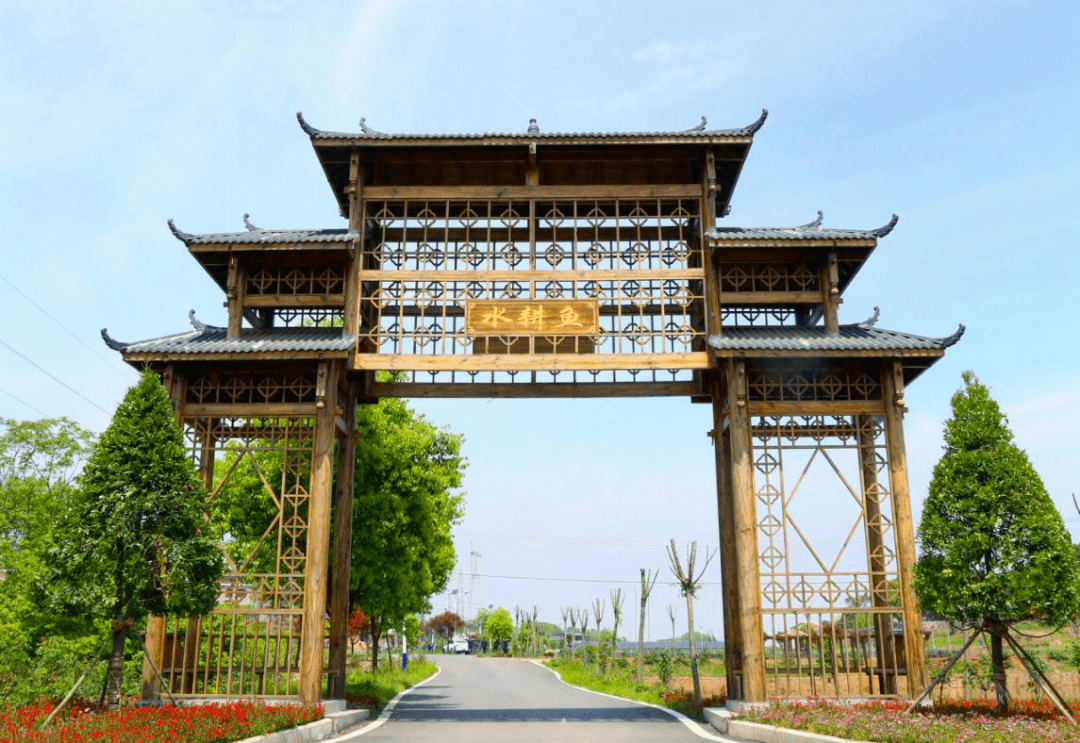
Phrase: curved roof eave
(695,135)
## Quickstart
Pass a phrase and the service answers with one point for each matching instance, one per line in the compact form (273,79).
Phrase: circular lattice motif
(772,557)
(554,254)
(553,290)
(426,217)
(513,290)
(511,255)
(635,253)
(594,254)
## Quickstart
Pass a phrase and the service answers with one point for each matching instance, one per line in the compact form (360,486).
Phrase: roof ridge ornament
(872,320)
(887,228)
(179,234)
(753,128)
(252,227)
(308,128)
(368,131)
(199,324)
(196,322)
(815,225)
(952,340)
(534,128)
(113,344)
(699,128)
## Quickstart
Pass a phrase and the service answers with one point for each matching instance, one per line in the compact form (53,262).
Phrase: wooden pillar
(343,516)
(893,391)
(709,261)
(884,645)
(745,528)
(351,319)
(318,536)
(728,559)
(155,623)
(234,295)
(830,293)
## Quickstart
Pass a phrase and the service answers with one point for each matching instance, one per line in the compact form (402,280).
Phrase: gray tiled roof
(816,338)
(811,231)
(210,339)
(258,235)
(366,133)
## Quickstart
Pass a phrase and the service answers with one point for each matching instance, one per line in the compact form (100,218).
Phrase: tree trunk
(115,673)
(374,645)
(693,651)
(614,642)
(641,628)
(997,660)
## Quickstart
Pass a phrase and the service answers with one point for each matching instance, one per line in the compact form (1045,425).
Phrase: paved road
(490,700)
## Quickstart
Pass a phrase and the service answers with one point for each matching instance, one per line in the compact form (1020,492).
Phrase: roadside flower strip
(949,722)
(210,723)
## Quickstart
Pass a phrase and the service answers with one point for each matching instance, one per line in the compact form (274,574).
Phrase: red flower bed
(949,722)
(212,723)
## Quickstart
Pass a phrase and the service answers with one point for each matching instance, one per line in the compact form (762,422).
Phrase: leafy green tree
(499,627)
(133,539)
(994,550)
(406,499)
(39,461)
(412,630)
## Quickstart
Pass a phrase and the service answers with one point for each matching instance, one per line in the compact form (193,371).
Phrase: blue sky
(960,116)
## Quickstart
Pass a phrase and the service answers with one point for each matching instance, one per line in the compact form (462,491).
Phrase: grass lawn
(373,690)
(620,681)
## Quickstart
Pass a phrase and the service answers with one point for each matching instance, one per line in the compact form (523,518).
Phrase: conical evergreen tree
(134,540)
(993,549)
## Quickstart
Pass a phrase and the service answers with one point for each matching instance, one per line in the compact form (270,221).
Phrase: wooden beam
(537,362)
(893,387)
(318,537)
(284,301)
(817,407)
(511,390)
(463,193)
(745,528)
(738,299)
(343,519)
(529,275)
(242,409)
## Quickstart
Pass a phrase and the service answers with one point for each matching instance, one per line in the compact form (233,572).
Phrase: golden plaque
(510,317)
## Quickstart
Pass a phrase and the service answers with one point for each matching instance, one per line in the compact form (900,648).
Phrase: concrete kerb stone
(332,724)
(725,723)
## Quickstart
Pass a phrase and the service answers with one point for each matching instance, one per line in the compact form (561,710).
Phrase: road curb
(724,722)
(331,724)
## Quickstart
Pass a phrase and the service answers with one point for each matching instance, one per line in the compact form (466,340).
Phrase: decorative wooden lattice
(296,280)
(813,386)
(248,645)
(251,388)
(295,318)
(768,277)
(829,573)
(638,260)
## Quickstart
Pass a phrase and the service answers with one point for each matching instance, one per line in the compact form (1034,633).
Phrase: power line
(24,402)
(53,377)
(64,327)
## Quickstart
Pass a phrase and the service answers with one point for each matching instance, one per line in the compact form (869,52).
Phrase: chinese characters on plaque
(509,317)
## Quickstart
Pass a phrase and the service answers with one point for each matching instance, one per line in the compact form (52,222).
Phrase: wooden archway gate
(541,265)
